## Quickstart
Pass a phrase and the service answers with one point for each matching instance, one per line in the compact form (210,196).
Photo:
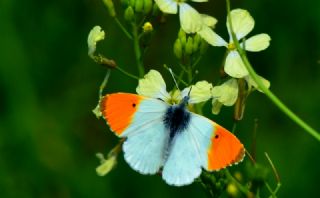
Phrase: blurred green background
(48,86)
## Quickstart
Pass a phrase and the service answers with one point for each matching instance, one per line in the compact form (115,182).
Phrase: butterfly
(168,137)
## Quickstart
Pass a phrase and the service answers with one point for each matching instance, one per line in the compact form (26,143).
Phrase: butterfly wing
(188,152)
(140,119)
(225,149)
(198,147)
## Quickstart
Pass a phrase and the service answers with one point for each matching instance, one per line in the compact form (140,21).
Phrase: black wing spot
(133,104)
(216,136)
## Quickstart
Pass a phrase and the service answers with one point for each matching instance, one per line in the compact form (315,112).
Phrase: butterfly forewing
(140,119)
(225,149)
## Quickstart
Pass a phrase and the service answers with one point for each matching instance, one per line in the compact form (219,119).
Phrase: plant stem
(124,30)
(127,73)
(265,90)
(104,83)
(137,51)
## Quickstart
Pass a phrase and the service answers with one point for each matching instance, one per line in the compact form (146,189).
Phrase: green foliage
(49,136)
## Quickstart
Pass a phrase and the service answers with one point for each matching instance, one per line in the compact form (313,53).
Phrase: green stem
(127,73)
(123,28)
(265,90)
(104,83)
(137,51)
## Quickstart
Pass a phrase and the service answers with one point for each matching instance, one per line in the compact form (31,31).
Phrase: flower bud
(110,6)
(189,46)
(138,6)
(196,43)
(183,38)
(232,190)
(203,47)
(147,27)
(132,2)
(129,14)
(147,6)
(125,3)
(177,49)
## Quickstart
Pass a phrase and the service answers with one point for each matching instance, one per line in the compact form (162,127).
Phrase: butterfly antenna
(174,79)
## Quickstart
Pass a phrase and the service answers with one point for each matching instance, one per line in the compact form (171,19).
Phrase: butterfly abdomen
(176,119)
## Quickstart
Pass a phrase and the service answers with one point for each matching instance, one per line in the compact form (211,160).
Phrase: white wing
(188,152)
(147,137)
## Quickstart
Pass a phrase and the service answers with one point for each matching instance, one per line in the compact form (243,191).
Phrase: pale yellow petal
(257,43)
(211,37)
(200,92)
(252,83)
(153,85)
(234,66)
(242,23)
(190,19)
(216,106)
(95,35)
(209,20)
(106,165)
(227,93)
(167,6)
(175,97)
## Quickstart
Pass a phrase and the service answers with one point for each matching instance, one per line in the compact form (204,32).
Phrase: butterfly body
(177,118)
(170,138)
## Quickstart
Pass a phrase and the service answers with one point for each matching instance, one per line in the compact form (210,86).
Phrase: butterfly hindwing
(188,152)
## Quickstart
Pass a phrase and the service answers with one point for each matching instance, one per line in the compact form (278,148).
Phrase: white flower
(190,19)
(95,35)
(242,23)
(106,165)
(225,94)
(153,85)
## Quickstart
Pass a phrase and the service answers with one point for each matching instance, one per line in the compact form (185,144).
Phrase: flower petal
(190,19)
(95,35)
(209,20)
(153,85)
(257,43)
(234,66)
(175,96)
(200,92)
(252,83)
(106,165)
(167,6)
(216,106)
(211,37)
(227,93)
(242,23)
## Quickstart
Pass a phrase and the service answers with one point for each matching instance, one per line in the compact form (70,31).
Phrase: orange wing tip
(241,157)
(118,110)
(225,149)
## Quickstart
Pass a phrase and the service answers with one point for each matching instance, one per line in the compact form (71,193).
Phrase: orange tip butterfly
(169,138)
